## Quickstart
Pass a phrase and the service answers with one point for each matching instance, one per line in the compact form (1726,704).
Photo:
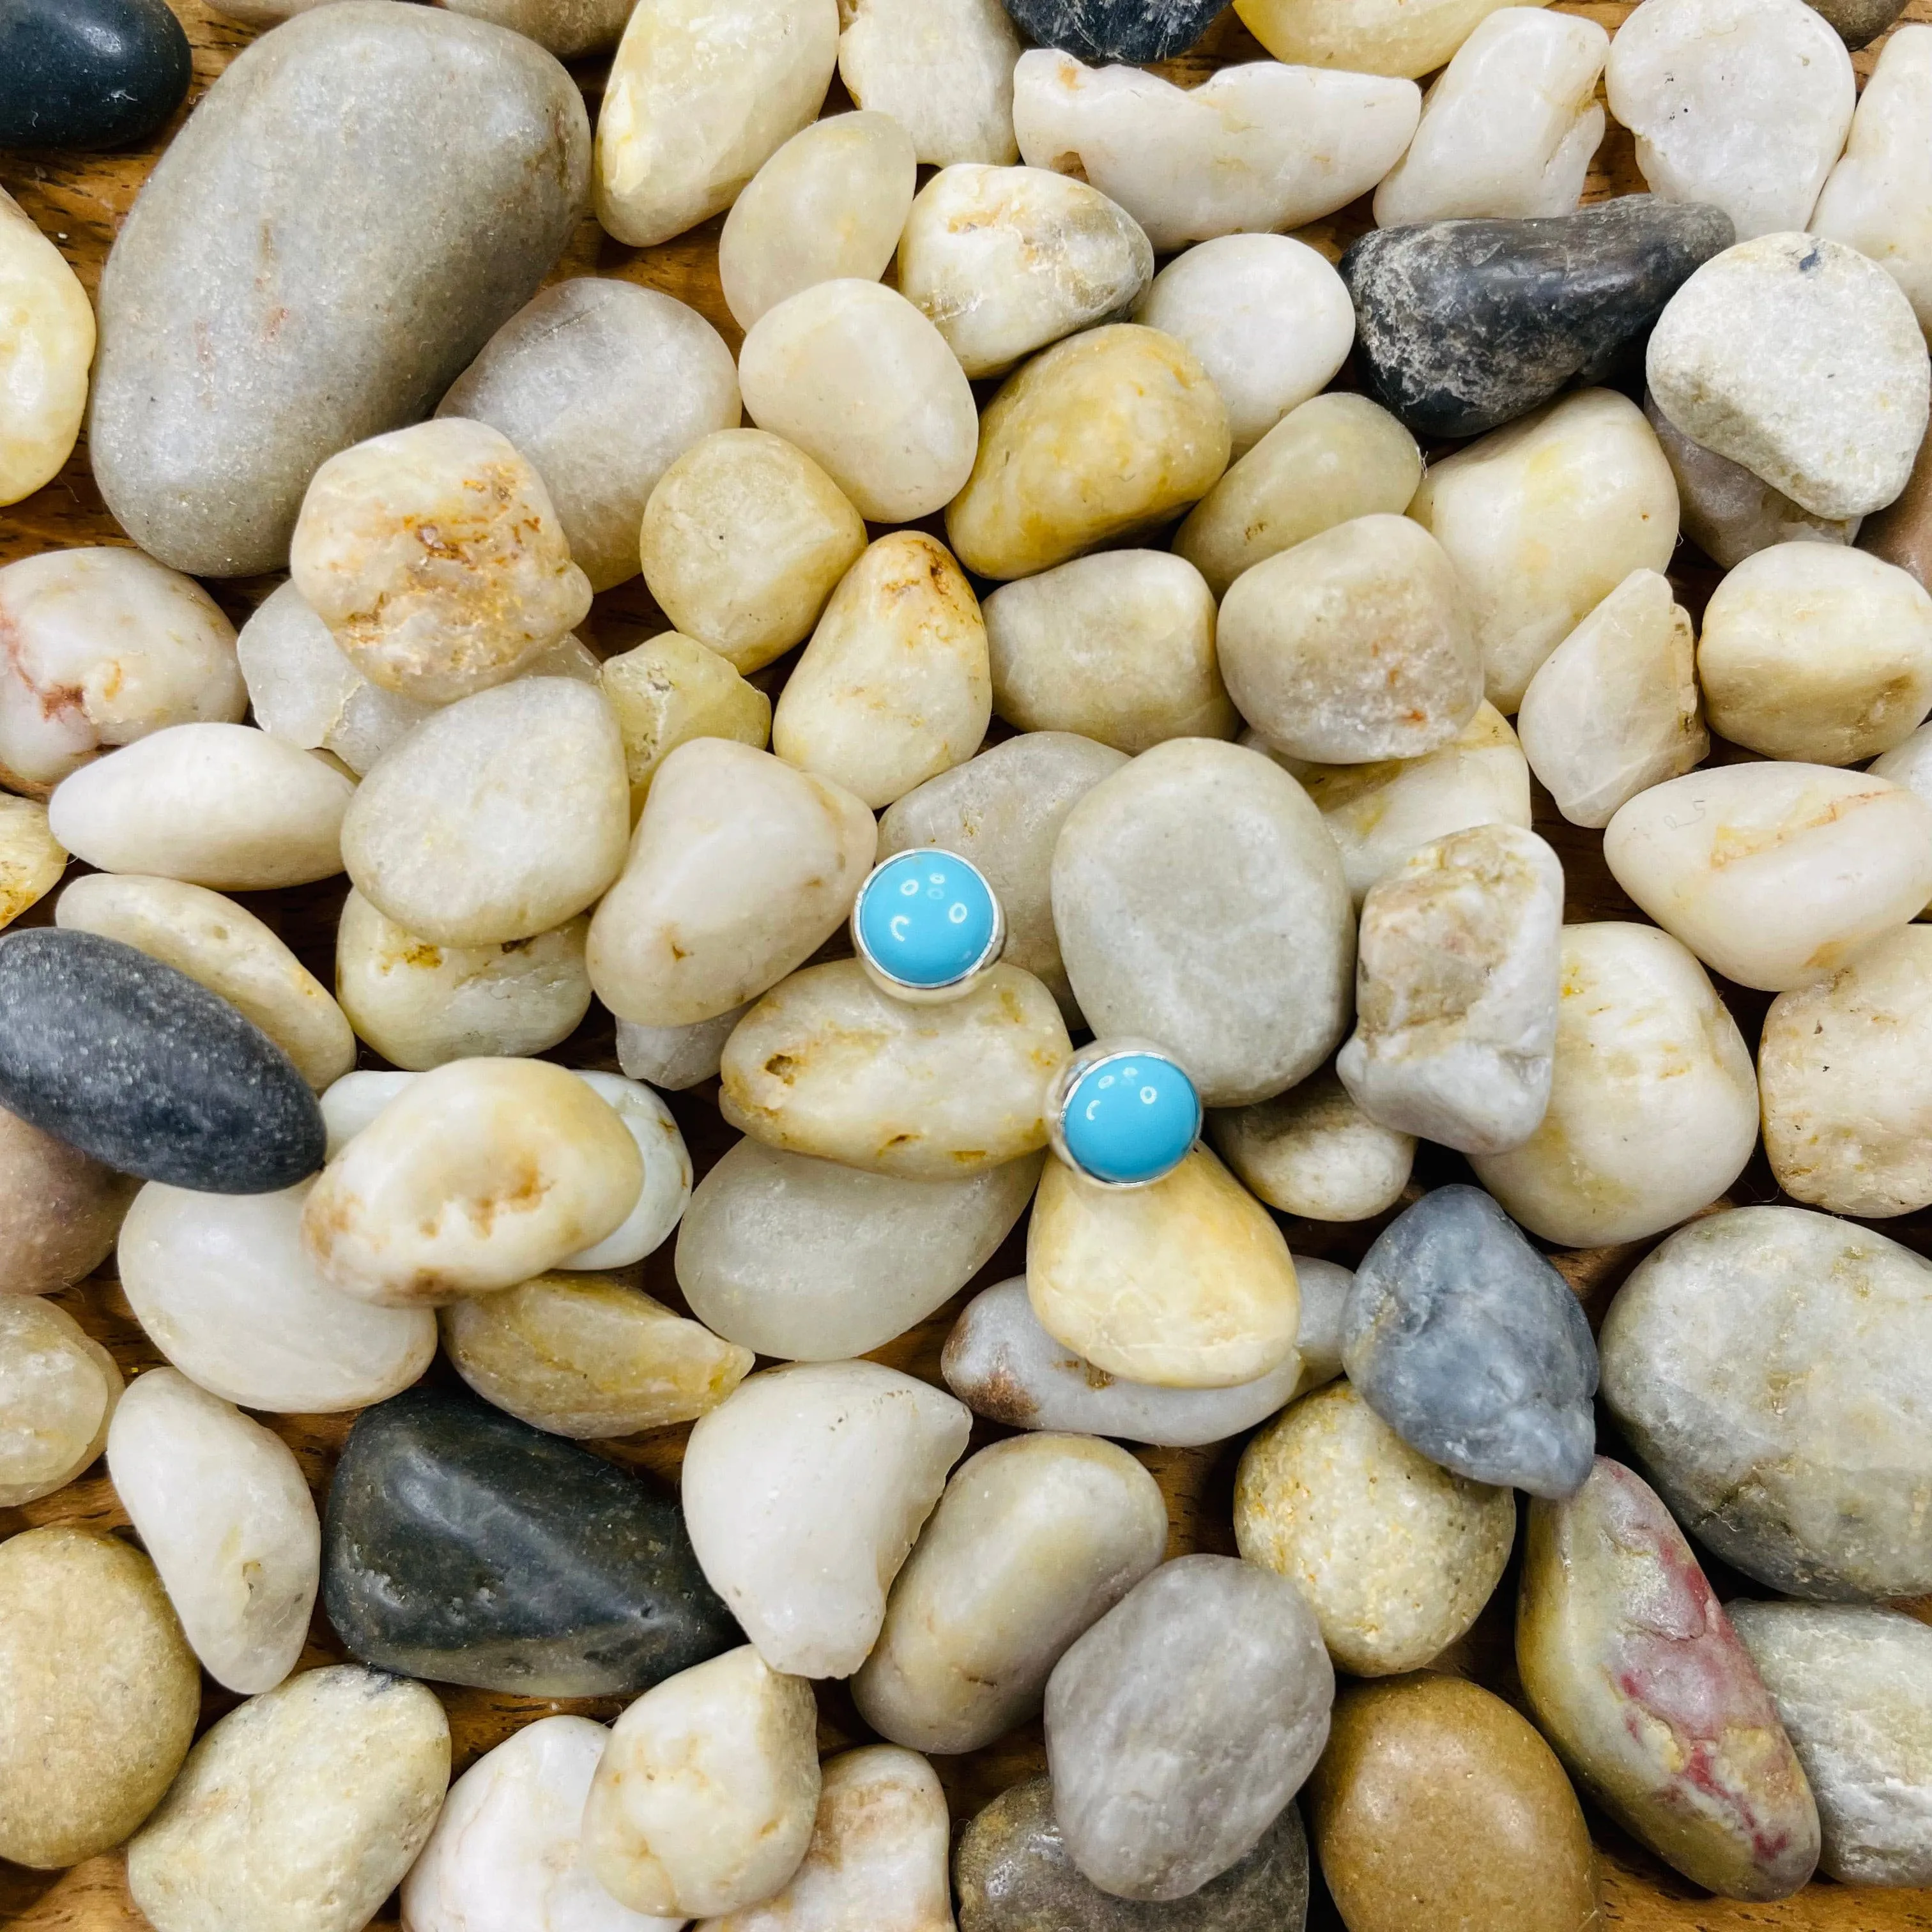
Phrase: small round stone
(1312,1152)
(1124,1114)
(57,1390)
(926,922)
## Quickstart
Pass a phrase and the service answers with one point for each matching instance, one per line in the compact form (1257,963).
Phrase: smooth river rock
(1633,1672)
(460,1545)
(1182,1724)
(32,859)
(470,171)
(1311,1151)
(942,69)
(1383,37)
(670,689)
(45,361)
(1765,1365)
(90,73)
(60,1209)
(1472,1348)
(58,1389)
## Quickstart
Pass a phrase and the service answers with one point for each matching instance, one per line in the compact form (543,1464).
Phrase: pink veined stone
(1633,1672)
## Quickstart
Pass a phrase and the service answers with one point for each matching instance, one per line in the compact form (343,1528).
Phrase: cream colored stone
(419,1004)
(1653,1109)
(1256,146)
(1312,1152)
(1187,1283)
(744,539)
(222,1508)
(666,1189)
(301,1809)
(826,1065)
(221,805)
(811,1261)
(673,1058)
(895,686)
(355,1100)
(1846,1084)
(1034,1539)
(740,869)
(584,1355)
(1355,645)
(223,1287)
(701,94)
(828,205)
(100,1693)
(1456,979)
(1336,457)
(31,858)
(877,1856)
(435,557)
(497,819)
(1399,36)
(1614,708)
(1543,518)
(1909,764)
(225,948)
(104,646)
(1270,320)
(1003,261)
(1741,104)
(1396,1556)
(804,1491)
(1813,652)
(58,1388)
(1200,903)
(59,1209)
(1117,648)
(1878,198)
(1774,874)
(860,380)
(45,349)
(1377,814)
(942,69)
(1509,127)
(479,1175)
(507,1854)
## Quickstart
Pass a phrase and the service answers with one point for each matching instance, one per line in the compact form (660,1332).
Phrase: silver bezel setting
(1060,1096)
(961,983)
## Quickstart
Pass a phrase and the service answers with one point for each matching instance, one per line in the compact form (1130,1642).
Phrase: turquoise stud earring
(1123,1113)
(926,925)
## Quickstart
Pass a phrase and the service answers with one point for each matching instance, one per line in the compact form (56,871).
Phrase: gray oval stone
(356,204)
(1472,1348)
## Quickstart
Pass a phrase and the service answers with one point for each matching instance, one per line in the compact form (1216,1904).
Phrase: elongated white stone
(224,1509)
(942,69)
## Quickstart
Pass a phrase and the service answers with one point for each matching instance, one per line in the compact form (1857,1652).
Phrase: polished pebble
(60,1209)
(665,1192)
(59,1390)
(32,859)
(43,364)
(1381,39)
(1312,1152)
(91,73)
(942,69)
(670,689)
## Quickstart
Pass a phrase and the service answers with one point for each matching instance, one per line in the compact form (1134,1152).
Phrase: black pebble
(1462,326)
(1115,30)
(462,1545)
(88,73)
(137,1065)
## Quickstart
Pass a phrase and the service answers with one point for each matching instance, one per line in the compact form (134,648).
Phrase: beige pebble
(860,380)
(744,539)
(435,557)
(1003,261)
(1185,1283)
(44,359)
(419,1004)
(101,1692)
(1543,518)
(1653,1108)
(1846,1084)
(1396,1556)
(1117,648)
(827,205)
(1614,708)
(1331,460)
(661,1201)
(826,1065)
(1381,37)
(1813,652)
(670,689)
(1355,645)
(31,858)
(942,69)
(699,95)
(894,687)
(59,1210)
(674,1058)
(221,805)
(498,818)
(584,1355)
(1109,433)
(58,1390)
(1312,1152)
(227,949)
(481,1174)
(740,869)
(1774,874)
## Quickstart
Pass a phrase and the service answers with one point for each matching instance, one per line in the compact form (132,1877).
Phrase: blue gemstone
(925,918)
(1130,1119)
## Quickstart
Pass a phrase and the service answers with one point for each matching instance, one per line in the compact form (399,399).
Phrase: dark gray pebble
(88,73)
(1859,21)
(1115,30)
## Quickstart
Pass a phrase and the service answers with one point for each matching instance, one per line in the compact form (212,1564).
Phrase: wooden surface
(79,201)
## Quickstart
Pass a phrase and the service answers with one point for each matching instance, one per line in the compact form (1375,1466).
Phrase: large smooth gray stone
(354,207)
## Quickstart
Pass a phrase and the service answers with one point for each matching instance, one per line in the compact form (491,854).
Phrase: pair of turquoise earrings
(926,926)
